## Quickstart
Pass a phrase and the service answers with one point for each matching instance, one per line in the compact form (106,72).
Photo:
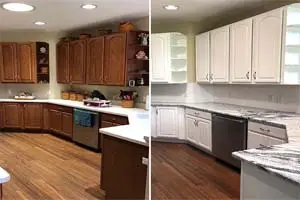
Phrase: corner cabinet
(203,57)
(167,122)
(33,116)
(220,55)
(115,63)
(267,40)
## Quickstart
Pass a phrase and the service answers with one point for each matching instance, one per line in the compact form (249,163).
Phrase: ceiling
(62,15)
(204,10)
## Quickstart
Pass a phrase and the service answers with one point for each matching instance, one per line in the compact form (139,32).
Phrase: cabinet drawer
(115,119)
(198,113)
(60,108)
(267,130)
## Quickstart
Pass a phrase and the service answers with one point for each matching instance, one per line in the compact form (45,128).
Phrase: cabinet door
(77,61)
(46,118)
(220,54)
(13,115)
(191,130)
(95,61)
(33,117)
(62,63)
(267,30)
(205,134)
(160,57)
(256,140)
(1,117)
(153,122)
(241,51)
(67,124)
(27,62)
(55,120)
(202,57)
(8,62)
(167,122)
(115,63)
(275,141)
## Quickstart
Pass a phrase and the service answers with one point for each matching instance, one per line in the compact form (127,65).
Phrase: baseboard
(168,140)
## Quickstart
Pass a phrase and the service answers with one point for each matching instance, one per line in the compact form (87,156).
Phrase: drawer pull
(265,130)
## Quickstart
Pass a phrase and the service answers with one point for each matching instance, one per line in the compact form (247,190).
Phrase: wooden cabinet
(95,61)
(123,175)
(26,53)
(241,51)
(33,116)
(203,57)
(13,115)
(8,62)
(267,40)
(67,124)
(62,62)
(61,120)
(160,57)
(46,117)
(78,61)
(1,117)
(167,122)
(115,55)
(220,55)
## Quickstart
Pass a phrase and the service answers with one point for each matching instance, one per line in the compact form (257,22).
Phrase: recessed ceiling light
(39,23)
(89,6)
(17,7)
(171,7)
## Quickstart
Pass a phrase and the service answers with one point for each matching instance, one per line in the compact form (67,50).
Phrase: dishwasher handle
(240,121)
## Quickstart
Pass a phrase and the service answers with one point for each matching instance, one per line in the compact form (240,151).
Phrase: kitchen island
(125,150)
(270,172)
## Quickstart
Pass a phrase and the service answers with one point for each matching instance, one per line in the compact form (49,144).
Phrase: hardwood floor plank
(43,166)
(182,172)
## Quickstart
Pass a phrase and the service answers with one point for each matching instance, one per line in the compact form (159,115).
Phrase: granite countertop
(134,132)
(281,160)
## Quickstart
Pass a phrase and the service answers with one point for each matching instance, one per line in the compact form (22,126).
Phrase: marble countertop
(138,127)
(281,160)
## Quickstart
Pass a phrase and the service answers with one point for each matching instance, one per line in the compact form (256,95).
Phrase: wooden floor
(182,172)
(43,166)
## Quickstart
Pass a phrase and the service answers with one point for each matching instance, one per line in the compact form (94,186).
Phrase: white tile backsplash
(276,97)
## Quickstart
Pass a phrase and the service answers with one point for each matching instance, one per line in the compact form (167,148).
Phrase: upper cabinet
(267,38)
(8,62)
(203,57)
(220,55)
(241,51)
(95,61)
(169,58)
(18,62)
(77,61)
(26,53)
(115,63)
(264,49)
(62,65)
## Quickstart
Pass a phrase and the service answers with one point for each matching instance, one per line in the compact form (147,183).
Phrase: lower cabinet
(61,120)
(167,122)
(256,140)
(13,115)
(198,128)
(46,118)
(33,116)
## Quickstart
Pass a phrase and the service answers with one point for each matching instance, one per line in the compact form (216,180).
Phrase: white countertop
(4,176)
(134,132)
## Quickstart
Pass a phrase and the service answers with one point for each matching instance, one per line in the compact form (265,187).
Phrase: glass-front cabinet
(169,57)
(291,45)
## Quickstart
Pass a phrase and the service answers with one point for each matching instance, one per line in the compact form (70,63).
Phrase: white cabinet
(198,128)
(153,122)
(220,55)
(167,122)
(267,39)
(241,51)
(160,57)
(256,140)
(202,57)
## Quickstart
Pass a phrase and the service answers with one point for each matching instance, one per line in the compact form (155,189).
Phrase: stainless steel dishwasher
(229,134)
(88,136)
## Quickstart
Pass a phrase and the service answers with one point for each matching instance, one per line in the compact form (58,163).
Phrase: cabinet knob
(105,78)
(207,77)
(247,75)
(254,75)
(211,77)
